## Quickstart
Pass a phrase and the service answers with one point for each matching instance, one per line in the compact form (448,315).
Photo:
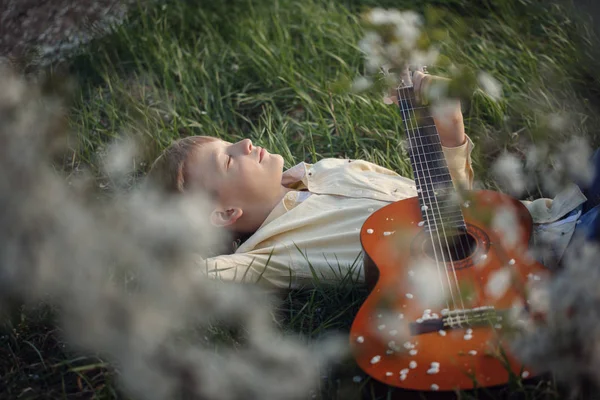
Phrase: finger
(418,84)
(390,100)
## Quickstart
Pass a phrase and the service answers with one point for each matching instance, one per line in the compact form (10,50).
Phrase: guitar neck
(430,170)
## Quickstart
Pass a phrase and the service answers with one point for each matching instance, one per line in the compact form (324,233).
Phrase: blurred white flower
(577,154)
(538,297)
(120,158)
(125,273)
(489,85)
(424,57)
(506,225)
(441,108)
(508,171)
(361,84)
(399,49)
(498,283)
(557,122)
(430,282)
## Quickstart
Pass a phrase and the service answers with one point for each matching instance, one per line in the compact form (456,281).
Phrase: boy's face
(240,175)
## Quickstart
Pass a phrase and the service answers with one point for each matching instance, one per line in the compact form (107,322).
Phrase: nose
(246,146)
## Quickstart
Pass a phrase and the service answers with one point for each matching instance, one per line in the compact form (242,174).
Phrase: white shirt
(313,233)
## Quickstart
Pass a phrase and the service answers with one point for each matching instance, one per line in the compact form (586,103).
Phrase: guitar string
(406,122)
(439,212)
(443,225)
(428,198)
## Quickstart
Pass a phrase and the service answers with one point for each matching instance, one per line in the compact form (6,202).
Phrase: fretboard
(430,170)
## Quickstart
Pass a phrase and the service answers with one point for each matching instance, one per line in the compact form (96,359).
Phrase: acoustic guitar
(443,278)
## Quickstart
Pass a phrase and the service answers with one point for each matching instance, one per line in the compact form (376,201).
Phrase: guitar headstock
(402,76)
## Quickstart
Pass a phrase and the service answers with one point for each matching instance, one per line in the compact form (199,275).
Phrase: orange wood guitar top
(445,359)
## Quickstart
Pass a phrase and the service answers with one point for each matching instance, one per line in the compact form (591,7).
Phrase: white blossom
(430,282)
(508,171)
(489,85)
(498,283)
(506,224)
(361,84)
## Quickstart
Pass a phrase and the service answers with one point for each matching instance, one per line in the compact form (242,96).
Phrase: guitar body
(397,336)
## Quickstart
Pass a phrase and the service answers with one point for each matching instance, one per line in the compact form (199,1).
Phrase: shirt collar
(293,178)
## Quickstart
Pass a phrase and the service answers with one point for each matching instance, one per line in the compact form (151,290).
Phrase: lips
(261,154)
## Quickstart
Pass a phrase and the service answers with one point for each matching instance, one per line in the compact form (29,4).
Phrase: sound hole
(450,248)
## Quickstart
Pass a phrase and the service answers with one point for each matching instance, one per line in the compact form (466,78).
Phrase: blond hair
(168,171)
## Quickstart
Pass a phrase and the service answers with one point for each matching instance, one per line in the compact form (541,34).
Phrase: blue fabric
(592,191)
(589,223)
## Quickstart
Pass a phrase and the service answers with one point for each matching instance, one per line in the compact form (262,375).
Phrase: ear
(225,216)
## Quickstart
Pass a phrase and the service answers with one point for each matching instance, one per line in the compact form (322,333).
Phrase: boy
(303,224)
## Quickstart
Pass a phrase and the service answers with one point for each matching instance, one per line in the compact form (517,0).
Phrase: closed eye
(228,161)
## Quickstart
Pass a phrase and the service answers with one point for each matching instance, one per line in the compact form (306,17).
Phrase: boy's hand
(446,114)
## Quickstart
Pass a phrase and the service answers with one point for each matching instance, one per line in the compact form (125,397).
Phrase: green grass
(278,72)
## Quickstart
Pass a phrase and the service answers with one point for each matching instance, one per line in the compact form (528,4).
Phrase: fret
(437,212)
(421,127)
(424,136)
(432,168)
(429,177)
(447,186)
(439,193)
(431,172)
(437,182)
(410,153)
(432,211)
(422,149)
(417,144)
(437,204)
(427,120)
(428,180)
(420,120)
(430,161)
(433,219)
(410,112)
(439,198)
(435,176)
(423,146)
(406,99)
(441,210)
(437,207)
(449,215)
(409,109)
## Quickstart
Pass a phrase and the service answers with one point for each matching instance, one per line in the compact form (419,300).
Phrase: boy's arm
(447,115)
(459,163)
(262,269)
(449,122)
